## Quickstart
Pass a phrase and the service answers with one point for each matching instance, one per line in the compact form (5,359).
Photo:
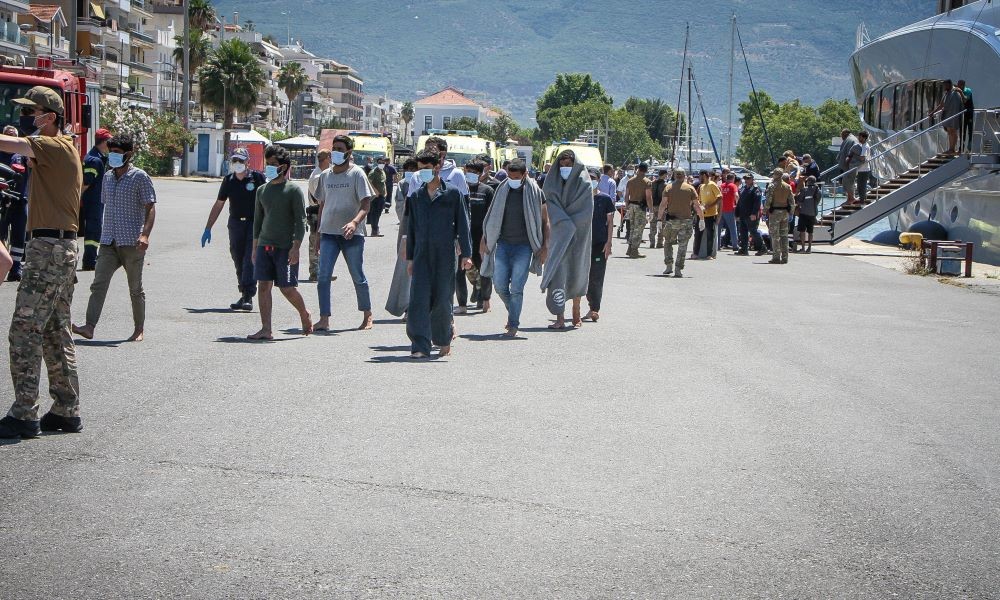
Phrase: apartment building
(14,43)
(440,109)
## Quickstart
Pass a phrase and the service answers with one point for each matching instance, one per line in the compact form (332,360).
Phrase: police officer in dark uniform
(15,212)
(91,207)
(240,188)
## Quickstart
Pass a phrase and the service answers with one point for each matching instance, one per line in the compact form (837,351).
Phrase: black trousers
(749,229)
(241,251)
(863,178)
(375,213)
(428,318)
(461,287)
(709,234)
(598,267)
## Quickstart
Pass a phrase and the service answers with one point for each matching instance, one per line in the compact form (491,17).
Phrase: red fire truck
(67,78)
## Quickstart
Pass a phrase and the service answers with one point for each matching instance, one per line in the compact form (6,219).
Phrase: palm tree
(202,14)
(407,116)
(292,80)
(231,80)
(201,46)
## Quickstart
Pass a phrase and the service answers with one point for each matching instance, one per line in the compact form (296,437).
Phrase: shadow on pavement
(492,337)
(100,343)
(216,311)
(546,329)
(404,359)
(390,348)
(388,322)
(244,340)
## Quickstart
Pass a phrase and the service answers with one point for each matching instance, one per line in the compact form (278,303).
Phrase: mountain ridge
(507,58)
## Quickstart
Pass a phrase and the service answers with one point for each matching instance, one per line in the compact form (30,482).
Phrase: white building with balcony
(440,109)
(14,44)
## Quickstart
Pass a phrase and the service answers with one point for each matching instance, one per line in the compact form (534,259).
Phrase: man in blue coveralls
(91,207)
(437,221)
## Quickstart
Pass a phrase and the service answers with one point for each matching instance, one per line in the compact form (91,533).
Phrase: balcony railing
(141,67)
(141,36)
(12,34)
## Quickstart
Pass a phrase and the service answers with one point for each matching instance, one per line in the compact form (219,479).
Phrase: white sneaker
(461,310)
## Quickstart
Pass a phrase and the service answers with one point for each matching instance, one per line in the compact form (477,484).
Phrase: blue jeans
(729,221)
(330,247)
(510,273)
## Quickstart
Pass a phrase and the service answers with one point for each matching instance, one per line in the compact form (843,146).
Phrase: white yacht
(899,81)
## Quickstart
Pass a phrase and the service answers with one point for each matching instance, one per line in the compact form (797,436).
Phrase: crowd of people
(462,228)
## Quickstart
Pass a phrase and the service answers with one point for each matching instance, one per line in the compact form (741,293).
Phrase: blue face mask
(116,160)
(426,175)
(271,172)
(565,171)
(337,157)
(472,178)
(593,184)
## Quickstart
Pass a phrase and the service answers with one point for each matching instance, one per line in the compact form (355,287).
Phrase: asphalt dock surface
(828,428)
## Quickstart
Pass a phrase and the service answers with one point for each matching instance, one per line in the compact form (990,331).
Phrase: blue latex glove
(206,238)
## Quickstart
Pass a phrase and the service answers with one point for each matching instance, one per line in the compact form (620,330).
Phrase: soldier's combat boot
(238,305)
(54,422)
(678,275)
(11,428)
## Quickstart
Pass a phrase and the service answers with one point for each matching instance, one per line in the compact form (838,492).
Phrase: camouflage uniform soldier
(680,199)
(638,199)
(40,328)
(778,204)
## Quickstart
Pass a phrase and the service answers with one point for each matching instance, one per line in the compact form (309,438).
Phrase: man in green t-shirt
(279,225)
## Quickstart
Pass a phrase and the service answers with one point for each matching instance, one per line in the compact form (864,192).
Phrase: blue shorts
(271,264)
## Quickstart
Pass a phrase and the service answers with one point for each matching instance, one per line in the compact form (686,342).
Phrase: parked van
(587,153)
(463,145)
(370,144)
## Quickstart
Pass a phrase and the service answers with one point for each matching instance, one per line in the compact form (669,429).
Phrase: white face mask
(380,166)
(239,168)
(565,171)
(629,173)
(514,183)
(337,158)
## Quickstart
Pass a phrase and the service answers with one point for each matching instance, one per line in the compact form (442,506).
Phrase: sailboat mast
(680,92)
(732,67)
(690,129)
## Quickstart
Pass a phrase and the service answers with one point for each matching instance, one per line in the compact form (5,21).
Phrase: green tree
(231,80)
(201,47)
(202,14)
(629,139)
(569,89)
(659,117)
(568,122)
(792,126)
(469,124)
(292,80)
(406,115)
(505,128)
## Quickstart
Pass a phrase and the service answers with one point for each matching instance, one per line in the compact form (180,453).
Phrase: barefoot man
(129,212)
(279,224)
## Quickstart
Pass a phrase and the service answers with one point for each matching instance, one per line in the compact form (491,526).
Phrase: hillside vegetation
(508,52)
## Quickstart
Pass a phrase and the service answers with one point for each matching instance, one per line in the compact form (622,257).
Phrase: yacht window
(954,214)
(886,102)
(933,213)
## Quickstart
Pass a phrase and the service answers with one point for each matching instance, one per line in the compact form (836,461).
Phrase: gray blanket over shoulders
(570,206)
(493,223)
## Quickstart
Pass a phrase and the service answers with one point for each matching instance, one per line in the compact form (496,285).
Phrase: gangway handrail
(825,209)
(909,139)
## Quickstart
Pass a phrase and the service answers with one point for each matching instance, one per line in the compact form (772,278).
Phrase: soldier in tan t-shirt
(680,201)
(40,326)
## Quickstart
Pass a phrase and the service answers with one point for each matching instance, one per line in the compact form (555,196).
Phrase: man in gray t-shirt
(344,196)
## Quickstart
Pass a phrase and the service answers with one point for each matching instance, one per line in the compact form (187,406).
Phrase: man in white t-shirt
(344,197)
(312,212)
(864,169)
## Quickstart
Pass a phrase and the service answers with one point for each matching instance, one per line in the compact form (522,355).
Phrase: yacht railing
(831,202)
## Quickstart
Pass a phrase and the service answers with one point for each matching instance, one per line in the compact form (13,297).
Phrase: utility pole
(732,66)
(72,30)
(186,88)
